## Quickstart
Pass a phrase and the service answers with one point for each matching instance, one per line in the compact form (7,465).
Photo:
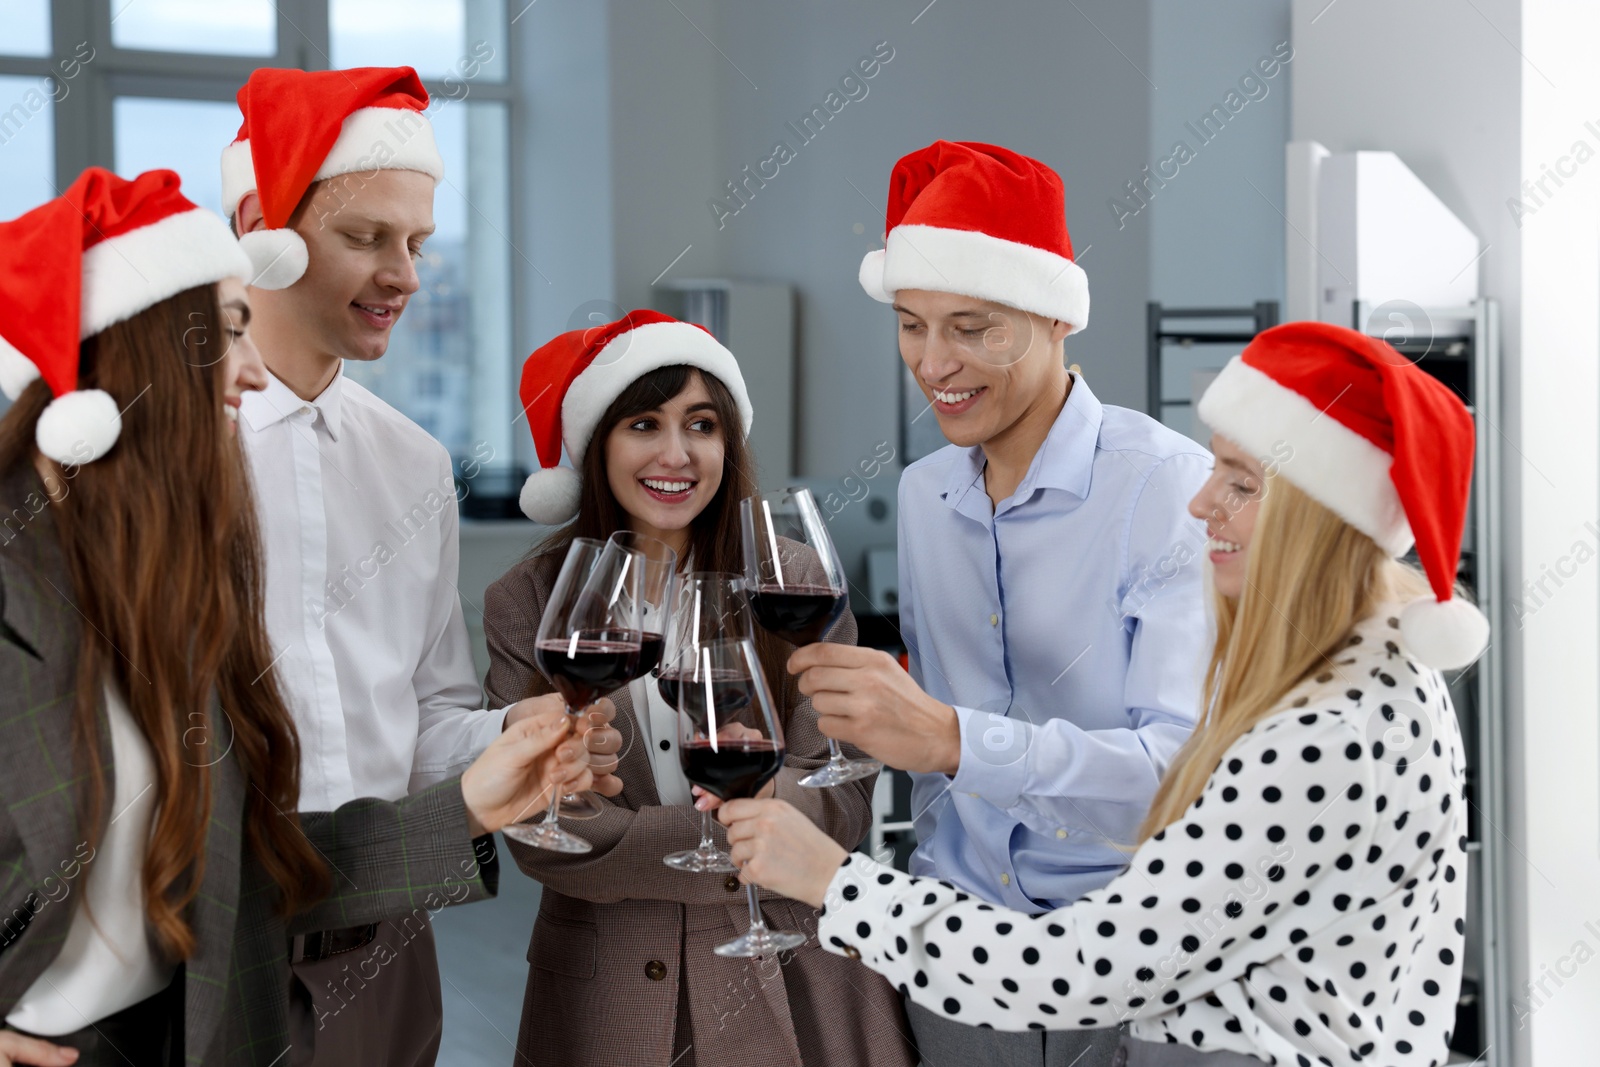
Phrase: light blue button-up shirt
(1067,629)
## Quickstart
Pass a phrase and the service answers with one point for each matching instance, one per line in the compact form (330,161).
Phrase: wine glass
(660,594)
(797,590)
(711,606)
(731,744)
(587,645)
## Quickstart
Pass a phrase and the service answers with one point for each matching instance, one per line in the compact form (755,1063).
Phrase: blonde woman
(1297,892)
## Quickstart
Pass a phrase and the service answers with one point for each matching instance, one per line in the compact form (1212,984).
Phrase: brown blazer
(621,968)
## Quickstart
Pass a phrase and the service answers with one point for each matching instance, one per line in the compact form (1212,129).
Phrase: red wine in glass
(650,646)
(729,693)
(590,664)
(800,614)
(731,768)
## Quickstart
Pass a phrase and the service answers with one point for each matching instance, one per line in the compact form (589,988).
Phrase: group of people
(1187,780)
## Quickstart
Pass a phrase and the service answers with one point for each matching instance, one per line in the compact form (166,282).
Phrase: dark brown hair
(159,536)
(715,538)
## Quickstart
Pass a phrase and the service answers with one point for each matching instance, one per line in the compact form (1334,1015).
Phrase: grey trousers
(376,1006)
(944,1042)
(1132,1053)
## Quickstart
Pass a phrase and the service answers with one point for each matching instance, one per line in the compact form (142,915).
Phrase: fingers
(18,1049)
(603,740)
(828,654)
(607,785)
(600,713)
(705,801)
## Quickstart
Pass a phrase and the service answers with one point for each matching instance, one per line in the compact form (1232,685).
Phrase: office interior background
(1418,168)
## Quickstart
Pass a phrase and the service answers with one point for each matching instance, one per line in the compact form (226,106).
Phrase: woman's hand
(15,1049)
(738,732)
(603,741)
(777,848)
(514,775)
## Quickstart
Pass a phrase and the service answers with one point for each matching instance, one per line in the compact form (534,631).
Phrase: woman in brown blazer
(621,968)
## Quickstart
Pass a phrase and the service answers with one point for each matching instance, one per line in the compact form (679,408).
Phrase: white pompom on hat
(569,382)
(99,254)
(1380,442)
(303,126)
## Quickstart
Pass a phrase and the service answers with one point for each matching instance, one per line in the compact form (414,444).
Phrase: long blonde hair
(1309,578)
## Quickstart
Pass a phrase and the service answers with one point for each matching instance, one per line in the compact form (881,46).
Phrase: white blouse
(1307,908)
(107,962)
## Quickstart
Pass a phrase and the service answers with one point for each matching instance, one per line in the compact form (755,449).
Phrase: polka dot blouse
(1306,909)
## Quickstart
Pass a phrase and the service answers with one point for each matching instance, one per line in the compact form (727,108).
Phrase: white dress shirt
(358,521)
(658,729)
(107,963)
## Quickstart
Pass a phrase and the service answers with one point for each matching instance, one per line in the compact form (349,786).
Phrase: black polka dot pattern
(1307,909)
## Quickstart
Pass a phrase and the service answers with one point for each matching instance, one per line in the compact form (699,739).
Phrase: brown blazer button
(852,952)
(655,970)
(731,883)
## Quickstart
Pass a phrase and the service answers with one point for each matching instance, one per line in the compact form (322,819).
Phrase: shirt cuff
(994,757)
(856,901)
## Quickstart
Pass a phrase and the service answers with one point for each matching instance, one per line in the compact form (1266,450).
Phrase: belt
(321,944)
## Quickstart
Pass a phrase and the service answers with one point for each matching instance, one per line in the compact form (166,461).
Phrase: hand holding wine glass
(533,758)
(777,848)
(797,591)
(588,644)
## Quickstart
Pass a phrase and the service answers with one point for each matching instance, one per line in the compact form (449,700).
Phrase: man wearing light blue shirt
(1050,589)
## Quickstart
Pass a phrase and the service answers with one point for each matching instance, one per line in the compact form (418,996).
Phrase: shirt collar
(1064,461)
(265,407)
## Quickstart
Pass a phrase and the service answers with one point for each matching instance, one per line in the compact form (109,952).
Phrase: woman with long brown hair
(152,865)
(1297,892)
(654,415)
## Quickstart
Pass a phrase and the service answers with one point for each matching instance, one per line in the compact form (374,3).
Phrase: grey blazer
(621,969)
(385,858)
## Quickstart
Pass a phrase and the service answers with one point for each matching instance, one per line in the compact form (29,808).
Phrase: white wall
(1474,98)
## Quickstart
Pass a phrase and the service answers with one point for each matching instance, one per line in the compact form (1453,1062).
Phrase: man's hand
(776,847)
(513,777)
(862,697)
(15,1049)
(527,709)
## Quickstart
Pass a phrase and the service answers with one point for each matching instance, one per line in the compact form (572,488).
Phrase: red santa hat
(1381,443)
(982,221)
(568,384)
(100,253)
(301,127)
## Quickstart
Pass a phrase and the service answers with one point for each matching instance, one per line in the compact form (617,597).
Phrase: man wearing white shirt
(357,510)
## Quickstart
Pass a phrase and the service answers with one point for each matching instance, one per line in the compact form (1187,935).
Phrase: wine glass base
(580,806)
(701,861)
(546,835)
(757,944)
(838,772)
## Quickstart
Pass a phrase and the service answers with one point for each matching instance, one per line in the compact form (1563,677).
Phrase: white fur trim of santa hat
(550,496)
(17,371)
(133,271)
(979,265)
(371,139)
(630,356)
(1331,463)
(1444,634)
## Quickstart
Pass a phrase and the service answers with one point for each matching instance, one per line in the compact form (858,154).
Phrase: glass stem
(552,815)
(757,923)
(706,844)
(834,754)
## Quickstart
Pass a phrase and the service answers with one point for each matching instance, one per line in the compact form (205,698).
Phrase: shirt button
(1005,879)
(731,883)
(666,746)
(1061,833)
(655,970)
(994,620)
(973,795)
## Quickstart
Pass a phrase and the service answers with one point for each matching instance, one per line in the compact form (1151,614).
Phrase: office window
(27,27)
(153,83)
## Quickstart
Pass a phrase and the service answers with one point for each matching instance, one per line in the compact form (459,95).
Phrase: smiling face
(1229,503)
(242,368)
(364,233)
(664,465)
(980,364)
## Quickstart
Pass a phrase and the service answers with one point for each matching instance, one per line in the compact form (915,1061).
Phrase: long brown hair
(1309,578)
(715,539)
(159,536)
